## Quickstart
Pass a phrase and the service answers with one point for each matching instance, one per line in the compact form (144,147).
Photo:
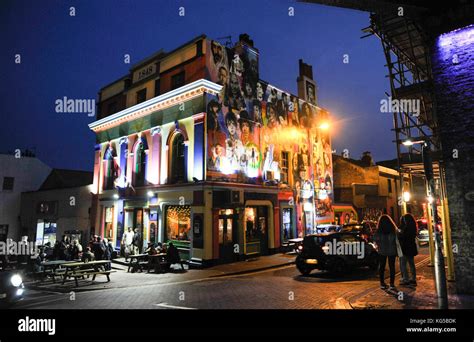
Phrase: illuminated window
(178,222)
(178,161)
(285,157)
(110,171)
(140,163)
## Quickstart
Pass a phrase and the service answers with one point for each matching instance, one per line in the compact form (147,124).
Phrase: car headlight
(16,280)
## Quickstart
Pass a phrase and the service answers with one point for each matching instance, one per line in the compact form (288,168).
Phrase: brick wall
(453,73)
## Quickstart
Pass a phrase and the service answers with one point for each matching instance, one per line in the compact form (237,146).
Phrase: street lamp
(440,272)
(324,126)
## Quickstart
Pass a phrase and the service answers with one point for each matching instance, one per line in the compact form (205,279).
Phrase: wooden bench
(82,269)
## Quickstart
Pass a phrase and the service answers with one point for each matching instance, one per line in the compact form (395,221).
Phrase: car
(328,228)
(11,287)
(366,228)
(335,252)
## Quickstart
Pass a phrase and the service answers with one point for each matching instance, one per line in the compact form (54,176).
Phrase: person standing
(127,240)
(407,238)
(386,240)
(136,242)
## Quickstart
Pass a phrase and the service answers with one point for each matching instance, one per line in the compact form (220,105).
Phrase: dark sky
(75,56)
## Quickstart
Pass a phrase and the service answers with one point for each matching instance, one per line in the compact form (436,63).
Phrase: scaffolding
(406,49)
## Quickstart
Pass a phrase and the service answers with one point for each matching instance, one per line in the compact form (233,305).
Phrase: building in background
(61,206)
(372,189)
(194,148)
(18,173)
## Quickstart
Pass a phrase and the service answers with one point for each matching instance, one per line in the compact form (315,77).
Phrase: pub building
(194,148)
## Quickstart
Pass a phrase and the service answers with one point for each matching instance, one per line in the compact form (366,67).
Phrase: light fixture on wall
(151,194)
(116,196)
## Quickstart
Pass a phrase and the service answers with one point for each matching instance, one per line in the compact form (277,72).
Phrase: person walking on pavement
(127,240)
(407,238)
(386,240)
(136,242)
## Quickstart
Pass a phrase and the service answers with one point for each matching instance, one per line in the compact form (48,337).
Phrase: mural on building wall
(258,133)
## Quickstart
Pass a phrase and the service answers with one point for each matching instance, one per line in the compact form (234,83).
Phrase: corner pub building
(194,148)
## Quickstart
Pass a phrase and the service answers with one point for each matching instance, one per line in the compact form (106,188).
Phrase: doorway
(226,225)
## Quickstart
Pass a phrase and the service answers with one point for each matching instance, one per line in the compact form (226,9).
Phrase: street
(280,288)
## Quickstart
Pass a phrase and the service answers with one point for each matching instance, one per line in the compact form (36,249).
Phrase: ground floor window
(287,224)
(256,237)
(109,220)
(178,222)
(45,232)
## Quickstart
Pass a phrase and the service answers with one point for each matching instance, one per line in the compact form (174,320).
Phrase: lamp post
(440,272)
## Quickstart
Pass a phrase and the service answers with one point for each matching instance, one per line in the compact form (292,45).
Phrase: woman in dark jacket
(386,239)
(407,238)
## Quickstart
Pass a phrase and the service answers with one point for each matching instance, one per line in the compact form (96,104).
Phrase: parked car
(11,287)
(316,253)
(367,229)
(328,228)
(423,234)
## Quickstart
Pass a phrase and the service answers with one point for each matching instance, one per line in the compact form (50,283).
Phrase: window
(8,183)
(110,170)
(112,108)
(178,162)
(284,167)
(177,80)
(141,95)
(140,163)
(178,222)
(3,232)
(45,232)
(389,183)
(157,87)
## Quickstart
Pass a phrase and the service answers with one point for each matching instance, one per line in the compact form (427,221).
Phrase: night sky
(76,56)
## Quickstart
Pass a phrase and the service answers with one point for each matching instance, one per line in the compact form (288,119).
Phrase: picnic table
(137,261)
(80,269)
(156,261)
(53,268)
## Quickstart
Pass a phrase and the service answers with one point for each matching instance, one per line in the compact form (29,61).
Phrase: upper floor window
(285,157)
(177,80)
(157,87)
(8,183)
(178,161)
(141,95)
(389,183)
(110,169)
(140,162)
(112,108)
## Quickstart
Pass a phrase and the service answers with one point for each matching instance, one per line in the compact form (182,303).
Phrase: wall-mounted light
(406,196)
(116,196)
(151,194)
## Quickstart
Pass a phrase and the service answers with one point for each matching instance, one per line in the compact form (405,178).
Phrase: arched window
(140,163)
(178,161)
(110,169)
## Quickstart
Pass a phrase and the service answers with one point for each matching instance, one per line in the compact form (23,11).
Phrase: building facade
(18,172)
(372,189)
(60,207)
(193,147)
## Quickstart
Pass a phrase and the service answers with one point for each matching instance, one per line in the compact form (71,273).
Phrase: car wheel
(373,262)
(337,267)
(302,267)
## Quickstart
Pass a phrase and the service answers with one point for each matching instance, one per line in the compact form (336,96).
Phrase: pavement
(268,282)
(120,278)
